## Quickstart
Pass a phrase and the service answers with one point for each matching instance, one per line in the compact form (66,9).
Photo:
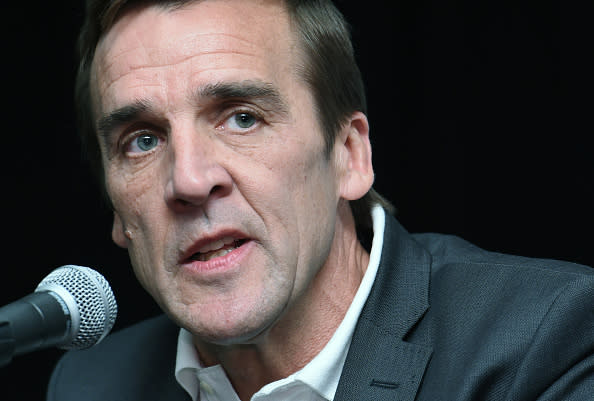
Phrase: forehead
(232,37)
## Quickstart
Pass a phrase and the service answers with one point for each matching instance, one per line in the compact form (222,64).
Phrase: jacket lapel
(380,364)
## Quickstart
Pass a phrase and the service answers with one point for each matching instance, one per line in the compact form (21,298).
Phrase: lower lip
(220,264)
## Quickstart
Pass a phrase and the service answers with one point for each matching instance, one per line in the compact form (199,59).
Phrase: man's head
(226,190)
(328,66)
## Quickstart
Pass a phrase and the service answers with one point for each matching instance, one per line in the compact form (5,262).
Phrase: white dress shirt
(317,381)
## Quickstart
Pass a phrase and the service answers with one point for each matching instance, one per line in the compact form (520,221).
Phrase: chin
(229,336)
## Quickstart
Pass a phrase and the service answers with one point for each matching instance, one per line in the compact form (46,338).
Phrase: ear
(353,158)
(118,234)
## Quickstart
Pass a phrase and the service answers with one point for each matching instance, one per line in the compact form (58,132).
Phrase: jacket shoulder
(449,251)
(505,319)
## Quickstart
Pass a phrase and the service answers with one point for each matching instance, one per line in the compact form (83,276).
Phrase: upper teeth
(213,246)
(211,255)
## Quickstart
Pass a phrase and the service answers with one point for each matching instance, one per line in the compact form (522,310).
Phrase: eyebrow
(263,93)
(107,123)
(266,95)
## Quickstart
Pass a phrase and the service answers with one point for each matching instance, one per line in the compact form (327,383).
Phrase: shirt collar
(323,372)
(187,363)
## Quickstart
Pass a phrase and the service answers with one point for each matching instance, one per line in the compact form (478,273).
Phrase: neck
(306,327)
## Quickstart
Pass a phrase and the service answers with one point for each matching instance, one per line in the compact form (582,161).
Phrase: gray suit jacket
(445,321)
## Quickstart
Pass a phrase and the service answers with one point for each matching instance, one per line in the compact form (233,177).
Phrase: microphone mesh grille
(95,301)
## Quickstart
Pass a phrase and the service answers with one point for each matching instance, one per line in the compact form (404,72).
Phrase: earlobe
(118,231)
(355,158)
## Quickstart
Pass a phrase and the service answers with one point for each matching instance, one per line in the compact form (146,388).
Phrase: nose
(195,174)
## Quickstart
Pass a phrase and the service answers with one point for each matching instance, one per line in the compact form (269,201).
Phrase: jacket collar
(380,364)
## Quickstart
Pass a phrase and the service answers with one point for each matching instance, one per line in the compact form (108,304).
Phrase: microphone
(72,308)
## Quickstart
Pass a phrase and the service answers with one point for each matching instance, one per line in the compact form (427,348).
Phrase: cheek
(305,191)
(295,179)
(134,200)
(131,193)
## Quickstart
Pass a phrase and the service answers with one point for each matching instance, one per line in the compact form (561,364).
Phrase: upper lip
(205,242)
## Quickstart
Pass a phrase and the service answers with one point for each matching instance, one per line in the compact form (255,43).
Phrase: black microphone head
(87,297)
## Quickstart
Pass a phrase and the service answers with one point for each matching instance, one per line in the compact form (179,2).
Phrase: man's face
(215,163)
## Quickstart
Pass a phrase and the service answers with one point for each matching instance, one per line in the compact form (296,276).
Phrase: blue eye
(244,120)
(144,143)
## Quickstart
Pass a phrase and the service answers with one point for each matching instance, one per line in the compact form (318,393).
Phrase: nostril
(219,191)
(215,189)
(183,202)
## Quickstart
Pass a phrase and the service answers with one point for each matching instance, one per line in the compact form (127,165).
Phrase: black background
(476,131)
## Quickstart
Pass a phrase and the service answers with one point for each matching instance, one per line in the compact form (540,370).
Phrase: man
(234,149)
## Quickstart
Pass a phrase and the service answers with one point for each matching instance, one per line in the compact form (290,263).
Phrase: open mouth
(217,249)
